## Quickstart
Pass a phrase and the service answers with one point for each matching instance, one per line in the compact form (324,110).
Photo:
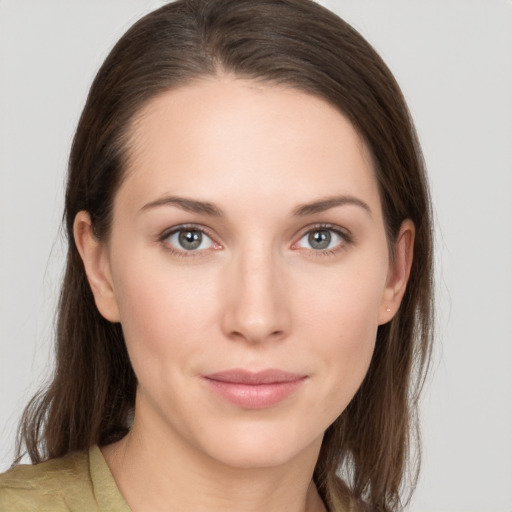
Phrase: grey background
(453,60)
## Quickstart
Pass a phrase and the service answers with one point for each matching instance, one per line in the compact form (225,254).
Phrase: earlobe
(399,271)
(97,266)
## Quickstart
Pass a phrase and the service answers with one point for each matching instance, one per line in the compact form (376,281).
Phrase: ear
(399,271)
(97,266)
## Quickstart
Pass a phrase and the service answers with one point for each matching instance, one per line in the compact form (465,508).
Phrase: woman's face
(248,266)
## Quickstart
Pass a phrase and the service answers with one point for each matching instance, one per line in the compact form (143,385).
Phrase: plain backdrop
(453,60)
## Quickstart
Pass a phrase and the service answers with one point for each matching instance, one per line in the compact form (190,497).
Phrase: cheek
(345,349)
(345,332)
(159,308)
(344,302)
(341,326)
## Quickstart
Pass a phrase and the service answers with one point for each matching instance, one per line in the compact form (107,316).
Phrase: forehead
(223,134)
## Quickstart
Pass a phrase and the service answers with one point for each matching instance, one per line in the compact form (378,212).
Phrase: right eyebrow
(189,205)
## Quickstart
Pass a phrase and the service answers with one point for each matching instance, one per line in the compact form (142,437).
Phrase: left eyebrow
(327,203)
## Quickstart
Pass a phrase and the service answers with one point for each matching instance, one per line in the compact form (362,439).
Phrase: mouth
(254,390)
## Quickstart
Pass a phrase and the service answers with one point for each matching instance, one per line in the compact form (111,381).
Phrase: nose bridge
(256,306)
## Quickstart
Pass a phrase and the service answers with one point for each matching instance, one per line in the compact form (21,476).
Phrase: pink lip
(254,390)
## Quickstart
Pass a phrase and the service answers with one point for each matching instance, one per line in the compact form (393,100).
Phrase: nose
(255,298)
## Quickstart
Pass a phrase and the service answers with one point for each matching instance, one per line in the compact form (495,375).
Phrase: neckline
(107,494)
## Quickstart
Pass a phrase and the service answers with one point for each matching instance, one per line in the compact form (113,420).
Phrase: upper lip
(241,376)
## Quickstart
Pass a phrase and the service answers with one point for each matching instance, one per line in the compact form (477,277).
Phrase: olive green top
(80,482)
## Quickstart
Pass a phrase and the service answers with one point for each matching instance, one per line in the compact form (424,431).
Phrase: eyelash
(345,236)
(183,252)
(346,239)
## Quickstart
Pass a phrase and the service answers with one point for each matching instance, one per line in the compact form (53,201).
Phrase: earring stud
(388,309)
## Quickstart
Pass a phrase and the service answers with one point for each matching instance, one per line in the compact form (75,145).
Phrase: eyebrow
(327,203)
(189,205)
(207,208)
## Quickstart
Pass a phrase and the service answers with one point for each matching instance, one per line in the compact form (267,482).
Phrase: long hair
(365,456)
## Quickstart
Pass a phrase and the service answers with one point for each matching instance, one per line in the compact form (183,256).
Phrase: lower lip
(255,396)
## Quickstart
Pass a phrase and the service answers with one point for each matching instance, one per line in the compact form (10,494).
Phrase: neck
(156,473)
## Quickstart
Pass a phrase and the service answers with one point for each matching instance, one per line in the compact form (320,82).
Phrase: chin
(252,446)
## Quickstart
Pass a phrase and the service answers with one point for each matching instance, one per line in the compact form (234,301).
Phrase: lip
(254,390)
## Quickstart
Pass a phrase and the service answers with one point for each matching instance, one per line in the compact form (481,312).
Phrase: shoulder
(56,485)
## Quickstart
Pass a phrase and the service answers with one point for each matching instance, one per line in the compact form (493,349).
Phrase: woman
(245,319)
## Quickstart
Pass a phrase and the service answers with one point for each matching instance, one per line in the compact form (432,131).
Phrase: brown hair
(297,43)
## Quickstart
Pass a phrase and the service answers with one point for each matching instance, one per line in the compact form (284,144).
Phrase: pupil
(320,239)
(190,239)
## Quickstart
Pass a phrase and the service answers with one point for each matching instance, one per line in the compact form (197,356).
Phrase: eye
(322,239)
(189,239)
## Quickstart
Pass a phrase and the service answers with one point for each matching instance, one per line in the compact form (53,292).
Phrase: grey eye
(189,240)
(320,239)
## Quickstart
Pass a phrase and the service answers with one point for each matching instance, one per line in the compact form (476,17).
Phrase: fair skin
(247,235)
